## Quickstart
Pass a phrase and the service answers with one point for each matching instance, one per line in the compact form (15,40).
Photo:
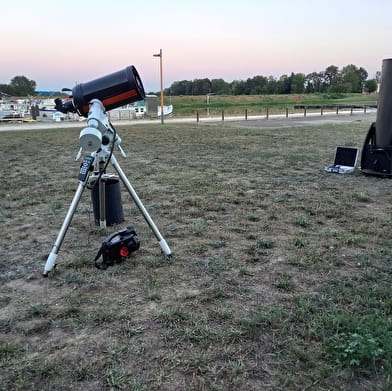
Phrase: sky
(60,44)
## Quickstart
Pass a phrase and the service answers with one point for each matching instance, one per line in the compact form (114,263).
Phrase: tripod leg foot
(165,248)
(50,263)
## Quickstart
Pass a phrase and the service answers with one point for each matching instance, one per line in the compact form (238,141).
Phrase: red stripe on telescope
(115,99)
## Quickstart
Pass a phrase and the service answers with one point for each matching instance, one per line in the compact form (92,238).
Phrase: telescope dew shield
(384,109)
(114,90)
(376,156)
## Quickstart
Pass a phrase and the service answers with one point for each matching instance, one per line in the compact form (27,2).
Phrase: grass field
(258,104)
(280,279)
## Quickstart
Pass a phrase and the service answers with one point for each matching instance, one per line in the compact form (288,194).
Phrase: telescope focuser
(64,107)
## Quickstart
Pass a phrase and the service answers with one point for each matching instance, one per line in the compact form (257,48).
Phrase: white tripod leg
(162,242)
(51,261)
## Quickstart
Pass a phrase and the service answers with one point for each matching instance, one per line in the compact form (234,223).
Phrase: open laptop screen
(346,156)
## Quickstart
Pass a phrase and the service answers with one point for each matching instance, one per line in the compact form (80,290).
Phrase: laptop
(345,160)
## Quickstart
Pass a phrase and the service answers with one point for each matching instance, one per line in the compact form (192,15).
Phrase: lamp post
(161,76)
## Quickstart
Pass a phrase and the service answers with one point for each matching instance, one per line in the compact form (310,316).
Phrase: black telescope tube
(384,106)
(114,90)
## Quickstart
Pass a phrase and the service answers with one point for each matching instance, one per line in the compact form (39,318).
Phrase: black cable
(110,155)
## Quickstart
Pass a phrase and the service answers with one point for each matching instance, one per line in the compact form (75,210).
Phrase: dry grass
(280,278)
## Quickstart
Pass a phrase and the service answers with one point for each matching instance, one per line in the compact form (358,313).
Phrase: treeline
(349,79)
(19,86)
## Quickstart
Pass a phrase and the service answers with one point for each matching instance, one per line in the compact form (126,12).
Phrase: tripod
(100,137)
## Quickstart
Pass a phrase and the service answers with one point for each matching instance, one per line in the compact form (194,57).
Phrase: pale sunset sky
(60,43)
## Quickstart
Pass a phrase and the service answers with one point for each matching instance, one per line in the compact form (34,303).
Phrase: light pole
(161,74)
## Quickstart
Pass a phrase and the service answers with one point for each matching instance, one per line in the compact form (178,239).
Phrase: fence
(292,111)
(121,115)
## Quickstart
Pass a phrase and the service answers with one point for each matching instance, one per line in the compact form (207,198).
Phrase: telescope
(97,140)
(377,149)
(114,90)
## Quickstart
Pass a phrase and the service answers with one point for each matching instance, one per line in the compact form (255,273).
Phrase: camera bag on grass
(117,247)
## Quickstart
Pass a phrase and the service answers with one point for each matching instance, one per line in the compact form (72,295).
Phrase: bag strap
(99,253)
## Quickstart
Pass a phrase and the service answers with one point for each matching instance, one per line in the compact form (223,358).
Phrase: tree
(22,86)
(219,86)
(284,85)
(297,83)
(314,82)
(258,85)
(350,79)
(5,89)
(330,75)
(363,76)
(178,88)
(338,85)
(272,85)
(201,86)
(353,78)
(371,86)
(238,87)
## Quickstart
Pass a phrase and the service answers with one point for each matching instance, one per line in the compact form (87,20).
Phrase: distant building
(46,92)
